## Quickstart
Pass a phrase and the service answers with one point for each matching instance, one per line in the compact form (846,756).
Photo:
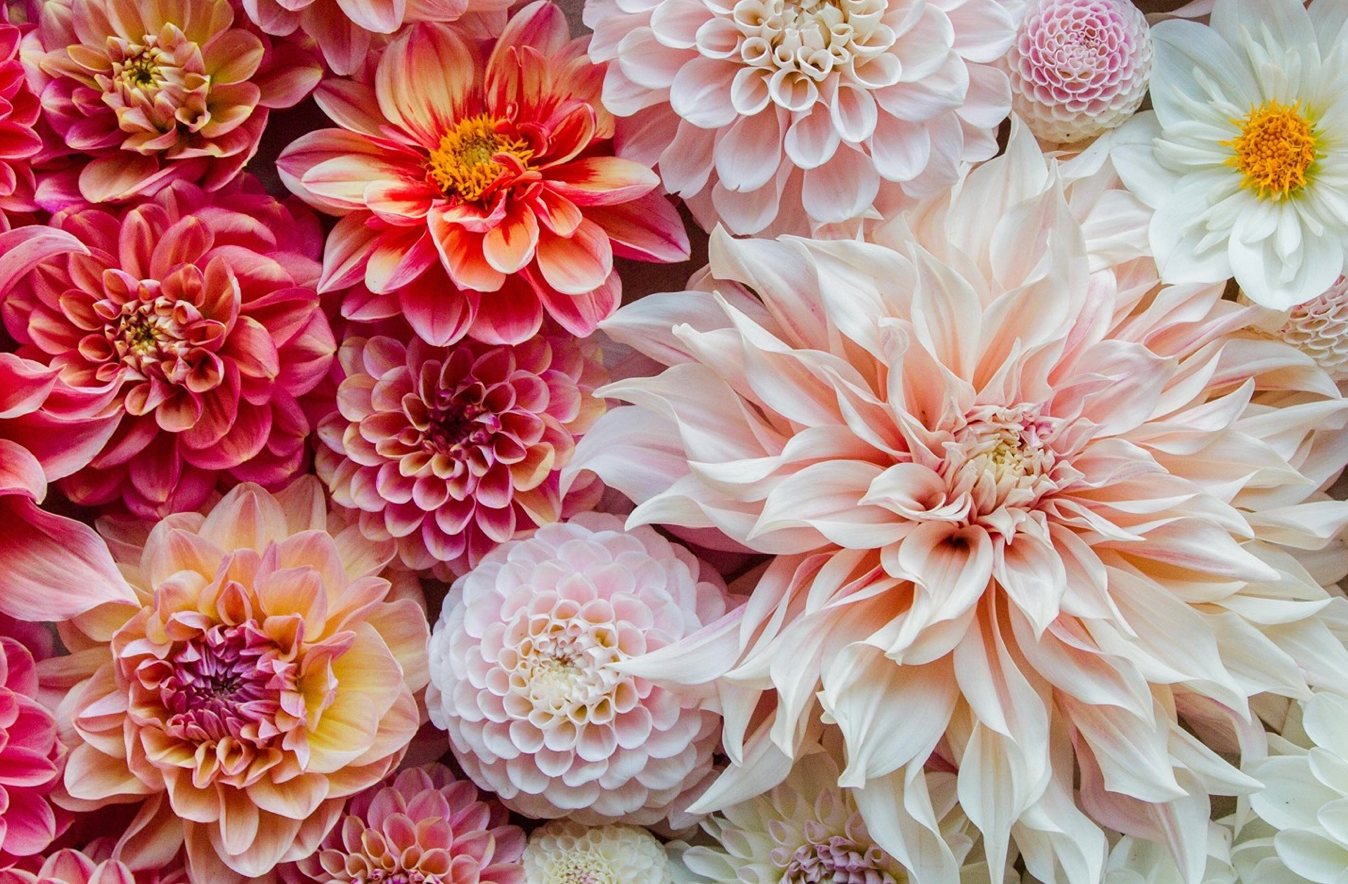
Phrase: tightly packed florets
(564,852)
(1319,328)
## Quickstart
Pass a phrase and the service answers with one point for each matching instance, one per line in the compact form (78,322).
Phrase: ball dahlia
(193,318)
(503,174)
(565,852)
(1032,512)
(526,673)
(30,758)
(795,115)
(262,677)
(1319,328)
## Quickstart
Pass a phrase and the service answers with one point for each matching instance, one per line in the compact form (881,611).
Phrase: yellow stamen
(464,164)
(1275,149)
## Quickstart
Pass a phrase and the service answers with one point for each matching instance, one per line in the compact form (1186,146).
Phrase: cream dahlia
(262,677)
(1245,157)
(502,174)
(524,673)
(30,758)
(193,319)
(794,115)
(1030,518)
(1137,861)
(565,852)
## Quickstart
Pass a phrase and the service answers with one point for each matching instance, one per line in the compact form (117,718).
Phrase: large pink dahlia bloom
(1035,516)
(30,758)
(797,115)
(157,91)
(450,451)
(193,317)
(262,677)
(526,677)
(497,165)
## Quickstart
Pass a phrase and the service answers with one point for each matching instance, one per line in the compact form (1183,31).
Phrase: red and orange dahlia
(497,165)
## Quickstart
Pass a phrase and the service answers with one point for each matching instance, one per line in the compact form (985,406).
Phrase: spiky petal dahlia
(450,451)
(565,852)
(1025,516)
(194,317)
(497,166)
(261,679)
(157,91)
(793,115)
(30,758)
(525,673)
(427,827)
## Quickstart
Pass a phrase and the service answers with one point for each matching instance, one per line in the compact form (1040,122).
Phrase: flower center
(156,85)
(1274,151)
(1002,458)
(582,867)
(562,669)
(811,37)
(456,423)
(832,859)
(469,159)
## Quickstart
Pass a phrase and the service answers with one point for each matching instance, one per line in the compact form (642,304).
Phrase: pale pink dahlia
(1033,513)
(193,317)
(503,174)
(425,827)
(793,115)
(526,673)
(1079,67)
(262,677)
(1319,328)
(450,451)
(157,91)
(30,758)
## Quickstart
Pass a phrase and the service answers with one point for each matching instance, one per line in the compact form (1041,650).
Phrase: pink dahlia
(795,115)
(193,317)
(261,678)
(157,91)
(450,451)
(503,173)
(1034,516)
(30,758)
(425,827)
(72,867)
(19,113)
(527,673)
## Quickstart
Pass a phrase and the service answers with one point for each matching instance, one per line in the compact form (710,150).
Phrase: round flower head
(19,140)
(526,669)
(502,175)
(794,115)
(426,827)
(1017,498)
(30,758)
(1319,328)
(565,852)
(1079,67)
(263,677)
(194,319)
(1245,157)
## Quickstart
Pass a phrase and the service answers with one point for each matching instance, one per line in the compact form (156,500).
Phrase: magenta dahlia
(30,758)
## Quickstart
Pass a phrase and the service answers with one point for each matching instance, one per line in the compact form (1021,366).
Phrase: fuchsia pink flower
(30,758)
(19,139)
(497,166)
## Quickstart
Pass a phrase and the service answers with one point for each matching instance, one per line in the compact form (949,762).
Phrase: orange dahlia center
(1274,151)
(469,158)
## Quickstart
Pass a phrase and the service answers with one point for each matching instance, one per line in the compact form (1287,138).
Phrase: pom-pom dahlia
(30,758)
(1028,516)
(565,852)
(425,827)
(503,174)
(1079,67)
(193,318)
(526,673)
(1319,328)
(792,115)
(262,678)
(450,451)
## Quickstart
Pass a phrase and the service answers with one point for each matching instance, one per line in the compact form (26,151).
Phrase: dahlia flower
(1137,861)
(72,867)
(1078,67)
(157,91)
(425,826)
(1245,157)
(452,451)
(194,319)
(261,679)
(1029,516)
(19,112)
(30,758)
(503,174)
(1319,328)
(793,116)
(524,677)
(565,852)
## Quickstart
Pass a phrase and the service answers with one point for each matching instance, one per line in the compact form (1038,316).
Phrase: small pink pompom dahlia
(526,673)
(1319,328)
(30,758)
(194,318)
(452,451)
(426,827)
(157,91)
(1079,67)
(503,173)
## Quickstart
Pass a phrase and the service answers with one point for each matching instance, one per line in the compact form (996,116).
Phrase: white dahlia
(1137,861)
(566,852)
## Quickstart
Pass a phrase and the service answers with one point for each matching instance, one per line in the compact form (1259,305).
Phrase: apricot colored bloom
(157,91)
(194,319)
(1032,513)
(262,678)
(30,758)
(496,165)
